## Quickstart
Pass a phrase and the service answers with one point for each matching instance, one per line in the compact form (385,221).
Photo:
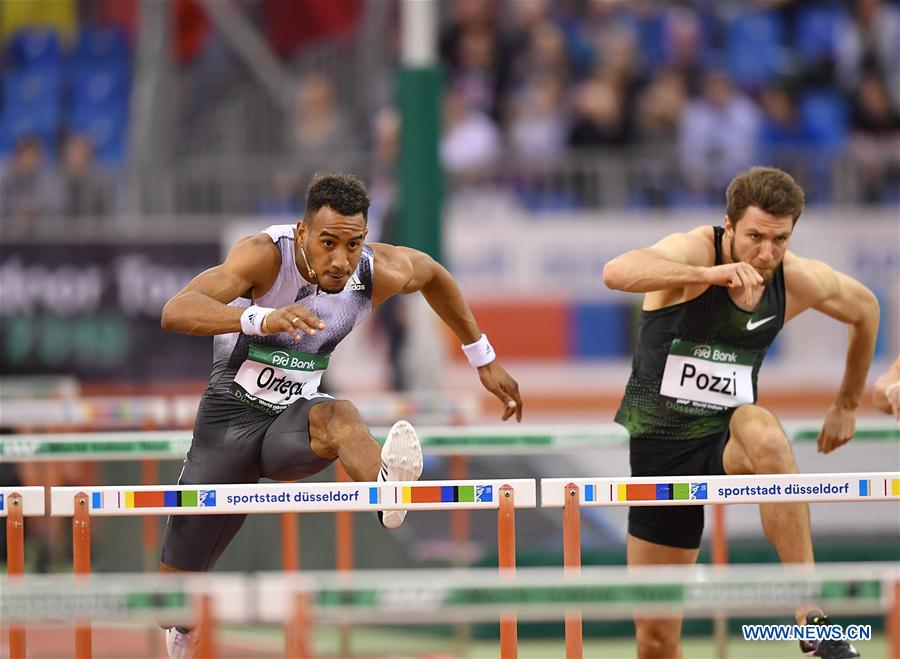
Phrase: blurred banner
(92,310)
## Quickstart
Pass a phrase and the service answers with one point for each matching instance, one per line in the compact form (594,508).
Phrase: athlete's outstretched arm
(676,261)
(400,270)
(814,284)
(201,308)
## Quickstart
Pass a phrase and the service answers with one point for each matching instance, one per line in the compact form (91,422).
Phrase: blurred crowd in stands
(687,93)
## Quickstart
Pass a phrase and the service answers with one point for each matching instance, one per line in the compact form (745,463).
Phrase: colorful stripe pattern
(895,487)
(865,488)
(375,495)
(168,499)
(590,492)
(661,491)
(448,494)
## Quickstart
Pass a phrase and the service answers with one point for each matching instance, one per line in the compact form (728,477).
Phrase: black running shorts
(675,526)
(233,444)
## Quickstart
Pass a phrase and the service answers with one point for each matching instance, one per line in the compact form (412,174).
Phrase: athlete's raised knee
(335,421)
(763,440)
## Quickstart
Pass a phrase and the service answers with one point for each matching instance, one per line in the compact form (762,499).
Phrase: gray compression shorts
(233,444)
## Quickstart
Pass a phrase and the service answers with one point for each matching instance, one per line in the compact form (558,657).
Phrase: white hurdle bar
(32,500)
(213,499)
(698,490)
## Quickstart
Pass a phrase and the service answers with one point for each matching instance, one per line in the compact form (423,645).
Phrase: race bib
(708,376)
(270,379)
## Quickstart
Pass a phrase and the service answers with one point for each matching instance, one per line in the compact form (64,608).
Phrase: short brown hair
(344,193)
(771,190)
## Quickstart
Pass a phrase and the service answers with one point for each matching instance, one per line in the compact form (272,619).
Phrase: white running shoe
(179,644)
(401,460)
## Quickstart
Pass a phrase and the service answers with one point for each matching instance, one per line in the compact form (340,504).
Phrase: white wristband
(252,320)
(480,353)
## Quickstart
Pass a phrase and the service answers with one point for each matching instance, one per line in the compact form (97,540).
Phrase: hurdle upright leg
(893,620)
(572,563)
(298,632)
(506,552)
(150,523)
(81,560)
(206,646)
(720,557)
(15,566)
(344,541)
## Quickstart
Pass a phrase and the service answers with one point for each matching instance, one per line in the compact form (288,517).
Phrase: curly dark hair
(769,189)
(343,193)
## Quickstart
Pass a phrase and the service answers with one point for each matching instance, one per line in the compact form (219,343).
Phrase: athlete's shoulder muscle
(392,269)
(250,268)
(694,247)
(813,284)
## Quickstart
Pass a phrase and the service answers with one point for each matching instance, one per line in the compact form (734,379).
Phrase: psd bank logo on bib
(714,354)
(284,360)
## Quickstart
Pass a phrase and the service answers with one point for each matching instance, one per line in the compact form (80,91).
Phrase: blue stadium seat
(825,112)
(816,31)
(101,45)
(755,49)
(99,87)
(35,48)
(31,104)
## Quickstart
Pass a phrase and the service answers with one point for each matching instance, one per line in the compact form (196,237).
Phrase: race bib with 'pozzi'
(708,376)
(271,379)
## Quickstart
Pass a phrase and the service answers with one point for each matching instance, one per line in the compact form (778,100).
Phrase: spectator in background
(875,141)
(683,46)
(29,192)
(658,110)
(599,117)
(717,137)
(322,133)
(475,54)
(471,140)
(546,54)
(785,140)
(538,128)
(870,43)
(382,225)
(283,197)
(86,188)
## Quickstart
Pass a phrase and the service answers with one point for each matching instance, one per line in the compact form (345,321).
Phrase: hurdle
(573,493)
(459,443)
(17,503)
(83,503)
(458,596)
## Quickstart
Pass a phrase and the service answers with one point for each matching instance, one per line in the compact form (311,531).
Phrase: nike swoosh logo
(753,324)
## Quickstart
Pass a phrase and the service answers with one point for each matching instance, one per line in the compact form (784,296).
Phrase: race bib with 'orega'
(271,379)
(708,376)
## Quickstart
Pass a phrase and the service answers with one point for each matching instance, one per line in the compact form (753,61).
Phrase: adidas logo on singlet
(354,284)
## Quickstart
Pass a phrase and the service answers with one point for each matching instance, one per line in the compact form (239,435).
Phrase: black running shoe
(826,649)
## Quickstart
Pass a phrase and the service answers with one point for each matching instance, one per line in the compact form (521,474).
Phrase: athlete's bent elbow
(168,320)
(612,276)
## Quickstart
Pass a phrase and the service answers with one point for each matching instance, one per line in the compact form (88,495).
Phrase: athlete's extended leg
(322,430)
(658,638)
(759,445)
